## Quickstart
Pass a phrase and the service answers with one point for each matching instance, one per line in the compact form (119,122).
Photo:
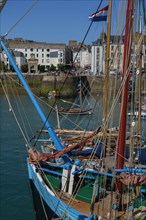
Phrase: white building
(18,56)
(85,58)
(46,54)
(76,58)
(98,50)
(82,59)
(97,59)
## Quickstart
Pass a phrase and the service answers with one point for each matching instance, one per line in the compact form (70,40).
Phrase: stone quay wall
(41,84)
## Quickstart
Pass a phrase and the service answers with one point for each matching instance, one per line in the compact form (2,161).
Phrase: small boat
(75,111)
(80,109)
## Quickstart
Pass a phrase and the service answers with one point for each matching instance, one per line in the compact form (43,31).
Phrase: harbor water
(15,194)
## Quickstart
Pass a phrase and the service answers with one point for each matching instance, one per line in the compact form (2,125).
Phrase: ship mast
(107,63)
(139,81)
(123,115)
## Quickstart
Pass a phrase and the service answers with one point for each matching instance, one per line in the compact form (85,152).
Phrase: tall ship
(89,178)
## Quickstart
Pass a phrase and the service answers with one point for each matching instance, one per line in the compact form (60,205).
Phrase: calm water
(15,200)
(15,194)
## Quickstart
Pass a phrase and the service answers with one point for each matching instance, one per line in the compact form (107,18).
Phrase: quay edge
(41,84)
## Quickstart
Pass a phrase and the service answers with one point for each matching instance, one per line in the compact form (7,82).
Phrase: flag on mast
(100,15)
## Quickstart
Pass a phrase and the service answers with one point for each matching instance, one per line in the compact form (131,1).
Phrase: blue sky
(53,21)
(50,20)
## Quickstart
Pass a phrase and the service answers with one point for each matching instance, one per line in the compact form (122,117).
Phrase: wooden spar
(126,61)
(80,94)
(107,62)
(139,91)
(139,84)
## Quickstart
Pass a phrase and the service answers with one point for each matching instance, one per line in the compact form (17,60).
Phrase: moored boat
(100,186)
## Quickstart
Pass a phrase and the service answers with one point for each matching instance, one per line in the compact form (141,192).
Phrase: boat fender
(115,206)
(131,208)
(108,215)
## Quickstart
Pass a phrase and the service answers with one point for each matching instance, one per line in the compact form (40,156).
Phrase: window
(48,50)
(31,49)
(42,55)
(54,54)
(37,49)
(48,55)
(37,55)
(25,49)
(42,50)
(42,60)
(112,55)
(25,54)
(112,48)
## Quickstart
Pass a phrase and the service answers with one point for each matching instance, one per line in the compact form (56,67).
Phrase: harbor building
(37,54)
(44,53)
(98,51)
(82,58)
(18,56)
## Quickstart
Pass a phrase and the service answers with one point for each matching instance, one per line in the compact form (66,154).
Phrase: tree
(48,68)
(24,68)
(61,67)
(41,68)
(52,67)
